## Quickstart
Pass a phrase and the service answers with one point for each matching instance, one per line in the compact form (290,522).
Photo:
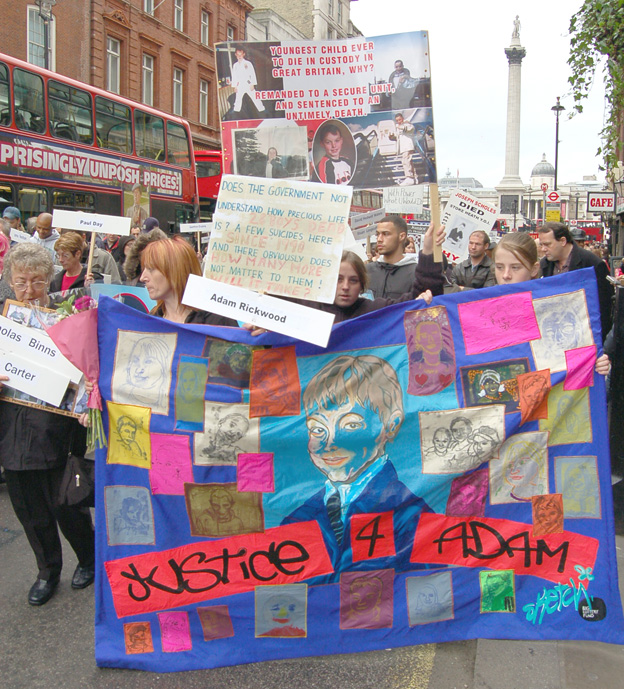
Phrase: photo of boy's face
(332,143)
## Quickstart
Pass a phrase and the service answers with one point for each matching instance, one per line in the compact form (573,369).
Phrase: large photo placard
(356,111)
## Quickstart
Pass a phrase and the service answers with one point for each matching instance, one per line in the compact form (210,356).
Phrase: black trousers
(34,495)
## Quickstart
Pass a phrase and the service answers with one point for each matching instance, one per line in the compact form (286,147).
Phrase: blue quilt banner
(437,473)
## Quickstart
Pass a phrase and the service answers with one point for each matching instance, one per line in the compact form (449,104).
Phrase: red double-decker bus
(68,145)
(209,166)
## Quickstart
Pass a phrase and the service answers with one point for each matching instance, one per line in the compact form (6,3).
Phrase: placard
(403,200)
(32,378)
(277,315)
(18,236)
(354,111)
(196,227)
(91,222)
(280,237)
(463,215)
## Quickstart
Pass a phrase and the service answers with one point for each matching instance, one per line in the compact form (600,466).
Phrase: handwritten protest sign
(403,199)
(463,215)
(280,237)
(356,111)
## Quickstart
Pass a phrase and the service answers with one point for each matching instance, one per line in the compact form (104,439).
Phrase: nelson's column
(511,188)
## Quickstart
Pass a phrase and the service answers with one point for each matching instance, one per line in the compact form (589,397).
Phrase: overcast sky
(469,73)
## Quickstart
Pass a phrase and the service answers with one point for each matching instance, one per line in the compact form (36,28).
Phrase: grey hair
(29,257)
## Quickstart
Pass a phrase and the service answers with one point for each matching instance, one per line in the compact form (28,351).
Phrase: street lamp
(576,196)
(45,12)
(557,109)
(515,207)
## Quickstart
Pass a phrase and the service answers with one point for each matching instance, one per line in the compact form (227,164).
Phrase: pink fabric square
(499,322)
(580,366)
(171,464)
(254,473)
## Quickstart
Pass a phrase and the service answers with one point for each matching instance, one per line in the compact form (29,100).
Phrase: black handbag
(78,484)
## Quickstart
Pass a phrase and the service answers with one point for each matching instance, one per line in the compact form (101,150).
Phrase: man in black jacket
(562,254)
(477,270)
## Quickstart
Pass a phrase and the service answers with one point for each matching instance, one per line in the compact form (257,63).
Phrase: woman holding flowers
(34,446)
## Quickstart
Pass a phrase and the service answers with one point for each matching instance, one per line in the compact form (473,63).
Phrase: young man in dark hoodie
(393,274)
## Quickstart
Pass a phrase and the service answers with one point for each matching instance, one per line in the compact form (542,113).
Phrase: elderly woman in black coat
(34,446)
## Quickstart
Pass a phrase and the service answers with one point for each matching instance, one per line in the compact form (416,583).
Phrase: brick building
(158,52)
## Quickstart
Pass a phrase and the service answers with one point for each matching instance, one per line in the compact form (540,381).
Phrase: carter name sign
(33,379)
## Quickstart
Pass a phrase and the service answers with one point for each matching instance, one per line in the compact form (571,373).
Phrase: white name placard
(403,199)
(19,236)
(91,222)
(262,310)
(196,227)
(36,346)
(33,379)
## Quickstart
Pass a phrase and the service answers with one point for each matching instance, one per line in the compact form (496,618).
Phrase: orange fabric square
(274,388)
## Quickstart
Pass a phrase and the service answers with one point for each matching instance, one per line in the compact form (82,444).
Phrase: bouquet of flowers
(75,334)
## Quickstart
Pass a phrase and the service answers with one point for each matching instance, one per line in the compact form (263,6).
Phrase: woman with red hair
(167,264)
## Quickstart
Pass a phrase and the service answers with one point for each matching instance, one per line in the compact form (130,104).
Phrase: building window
(148,79)
(178,15)
(148,6)
(340,12)
(230,33)
(178,83)
(113,64)
(205,27)
(203,101)
(330,7)
(37,39)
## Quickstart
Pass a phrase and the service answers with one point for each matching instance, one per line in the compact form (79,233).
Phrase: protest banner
(280,237)
(134,296)
(482,508)
(463,215)
(403,200)
(354,111)
(43,377)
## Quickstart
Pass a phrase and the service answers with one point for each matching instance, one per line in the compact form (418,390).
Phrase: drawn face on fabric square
(142,373)
(430,350)
(138,637)
(129,439)
(216,622)
(522,470)
(430,598)
(366,599)
(228,432)
(564,324)
(458,440)
(281,610)
(493,383)
(547,514)
(230,362)
(497,591)
(129,516)
(569,416)
(218,510)
(353,407)
(576,478)
(175,631)
(467,495)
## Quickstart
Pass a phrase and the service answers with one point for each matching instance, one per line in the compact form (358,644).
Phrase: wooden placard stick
(91,250)
(434,203)
(198,238)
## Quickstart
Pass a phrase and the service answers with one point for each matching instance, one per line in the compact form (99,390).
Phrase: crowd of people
(35,443)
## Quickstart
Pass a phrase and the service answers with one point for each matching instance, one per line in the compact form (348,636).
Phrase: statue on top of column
(516,31)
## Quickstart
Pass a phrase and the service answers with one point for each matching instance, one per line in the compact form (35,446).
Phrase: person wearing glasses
(34,446)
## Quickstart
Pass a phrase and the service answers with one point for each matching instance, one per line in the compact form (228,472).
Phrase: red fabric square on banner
(372,536)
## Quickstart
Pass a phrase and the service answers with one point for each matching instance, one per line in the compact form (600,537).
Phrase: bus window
(178,145)
(208,168)
(28,96)
(149,134)
(32,202)
(113,125)
(6,197)
(70,113)
(5,107)
(62,199)
(84,201)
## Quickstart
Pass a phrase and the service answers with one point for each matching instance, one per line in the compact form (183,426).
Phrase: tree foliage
(597,41)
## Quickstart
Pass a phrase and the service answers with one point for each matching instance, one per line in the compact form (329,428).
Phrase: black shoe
(41,591)
(83,577)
